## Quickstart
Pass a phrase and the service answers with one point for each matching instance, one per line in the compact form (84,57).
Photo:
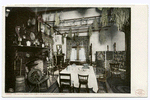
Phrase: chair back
(114,66)
(67,61)
(60,67)
(83,78)
(65,79)
(102,72)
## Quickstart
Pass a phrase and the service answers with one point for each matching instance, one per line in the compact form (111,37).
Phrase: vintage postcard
(75,51)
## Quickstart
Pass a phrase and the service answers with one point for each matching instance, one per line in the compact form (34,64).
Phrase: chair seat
(101,76)
(102,79)
(116,72)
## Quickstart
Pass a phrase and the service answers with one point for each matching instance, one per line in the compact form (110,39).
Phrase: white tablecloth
(74,71)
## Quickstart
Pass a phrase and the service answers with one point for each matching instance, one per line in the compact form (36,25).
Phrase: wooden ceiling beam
(84,30)
(73,19)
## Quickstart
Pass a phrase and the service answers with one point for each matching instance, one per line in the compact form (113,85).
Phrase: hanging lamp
(90,31)
(57,21)
(95,24)
(70,34)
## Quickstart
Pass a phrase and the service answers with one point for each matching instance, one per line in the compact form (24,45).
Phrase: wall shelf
(30,48)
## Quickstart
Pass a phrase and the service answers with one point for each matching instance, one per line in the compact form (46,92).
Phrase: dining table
(74,70)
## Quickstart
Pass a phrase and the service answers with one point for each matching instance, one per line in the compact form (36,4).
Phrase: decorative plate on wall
(33,22)
(32,36)
(29,22)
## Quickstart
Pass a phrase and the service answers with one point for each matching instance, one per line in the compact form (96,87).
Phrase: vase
(28,43)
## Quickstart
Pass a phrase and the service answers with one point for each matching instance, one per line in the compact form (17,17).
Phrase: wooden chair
(102,77)
(65,83)
(114,70)
(67,61)
(60,67)
(50,69)
(83,80)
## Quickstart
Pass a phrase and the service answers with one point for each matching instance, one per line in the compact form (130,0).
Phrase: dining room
(67,50)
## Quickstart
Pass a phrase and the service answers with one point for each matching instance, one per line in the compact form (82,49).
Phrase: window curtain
(82,54)
(73,56)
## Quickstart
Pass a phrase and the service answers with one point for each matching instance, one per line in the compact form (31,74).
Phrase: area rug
(118,85)
(102,87)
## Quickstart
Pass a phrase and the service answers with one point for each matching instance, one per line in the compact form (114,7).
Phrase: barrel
(20,84)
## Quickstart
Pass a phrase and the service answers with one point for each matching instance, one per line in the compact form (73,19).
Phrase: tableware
(73,65)
(85,66)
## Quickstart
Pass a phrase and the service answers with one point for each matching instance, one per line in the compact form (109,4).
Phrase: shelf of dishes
(30,48)
(35,43)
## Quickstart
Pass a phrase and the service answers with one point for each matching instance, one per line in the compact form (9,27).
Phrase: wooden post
(78,48)
(20,66)
(91,52)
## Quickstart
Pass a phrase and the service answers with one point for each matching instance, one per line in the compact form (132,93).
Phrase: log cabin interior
(67,50)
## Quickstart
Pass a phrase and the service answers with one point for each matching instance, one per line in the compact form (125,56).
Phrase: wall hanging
(95,24)
(69,36)
(63,36)
(57,21)
(90,31)
(102,37)
(104,18)
(52,31)
(121,17)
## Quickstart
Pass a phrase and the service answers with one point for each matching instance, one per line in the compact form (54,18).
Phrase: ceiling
(53,9)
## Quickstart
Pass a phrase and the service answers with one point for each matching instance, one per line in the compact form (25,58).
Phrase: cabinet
(60,58)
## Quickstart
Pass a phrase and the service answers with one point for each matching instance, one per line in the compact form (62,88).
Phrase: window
(77,53)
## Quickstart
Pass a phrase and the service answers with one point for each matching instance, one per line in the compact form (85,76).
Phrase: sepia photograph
(68,50)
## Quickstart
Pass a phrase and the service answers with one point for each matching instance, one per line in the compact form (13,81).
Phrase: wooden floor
(116,84)
(54,86)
